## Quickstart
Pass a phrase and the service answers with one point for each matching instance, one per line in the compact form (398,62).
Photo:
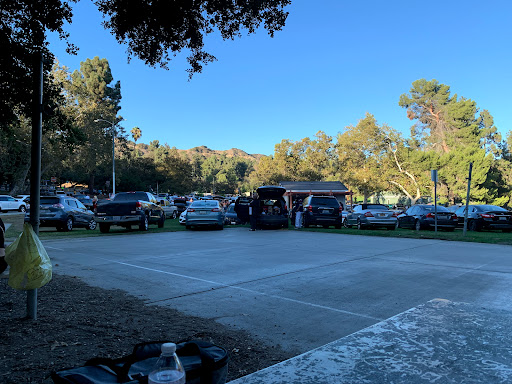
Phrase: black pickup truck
(130,208)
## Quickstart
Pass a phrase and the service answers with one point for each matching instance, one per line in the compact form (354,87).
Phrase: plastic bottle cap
(168,348)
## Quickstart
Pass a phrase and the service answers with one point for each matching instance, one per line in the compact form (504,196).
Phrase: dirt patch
(77,322)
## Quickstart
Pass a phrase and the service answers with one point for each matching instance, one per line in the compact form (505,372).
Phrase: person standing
(298,214)
(254,212)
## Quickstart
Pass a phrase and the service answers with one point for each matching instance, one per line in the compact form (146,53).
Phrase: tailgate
(116,209)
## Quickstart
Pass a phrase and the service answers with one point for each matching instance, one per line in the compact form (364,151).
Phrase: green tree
(154,31)
(407,166)
(458,133)
(136,134)
(96,104)
(23,33)
(361,152)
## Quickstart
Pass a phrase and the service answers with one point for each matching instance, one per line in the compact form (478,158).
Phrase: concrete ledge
(438,342)
(14,222)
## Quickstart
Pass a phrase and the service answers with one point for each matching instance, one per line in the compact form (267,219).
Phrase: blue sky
(334,61)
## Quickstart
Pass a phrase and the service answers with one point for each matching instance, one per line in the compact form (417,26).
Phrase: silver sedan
(371,215)
(204,212)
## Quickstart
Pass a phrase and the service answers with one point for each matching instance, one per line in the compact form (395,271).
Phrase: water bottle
(168,368)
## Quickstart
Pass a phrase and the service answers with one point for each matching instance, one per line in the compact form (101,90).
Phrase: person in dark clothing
(254,212)
(3,263)
(296,208)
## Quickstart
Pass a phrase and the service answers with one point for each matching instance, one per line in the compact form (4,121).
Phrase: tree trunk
(91,183)
(20,180)
(365,197)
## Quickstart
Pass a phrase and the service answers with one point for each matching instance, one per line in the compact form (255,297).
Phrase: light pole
(113,124)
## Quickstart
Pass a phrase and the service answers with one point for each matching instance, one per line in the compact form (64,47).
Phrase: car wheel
(507,230)
(144,223)
(69,224)
(104,228)
(417,225)
(450,229)
(188,227)
(91,226)
(174,215)
(337,226)
(345,223)
(473,226)
(359,224)
(220,227)
(161,221)
(305,223)
(23,209)
(397,224)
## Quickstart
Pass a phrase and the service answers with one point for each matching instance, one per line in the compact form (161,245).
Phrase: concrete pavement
(437,342)
(298,289)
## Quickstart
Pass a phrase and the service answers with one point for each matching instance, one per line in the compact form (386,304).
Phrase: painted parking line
(221,285)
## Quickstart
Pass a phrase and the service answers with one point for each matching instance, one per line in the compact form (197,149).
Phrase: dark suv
(322,210)
(272,211)
(180,204)
(64,213)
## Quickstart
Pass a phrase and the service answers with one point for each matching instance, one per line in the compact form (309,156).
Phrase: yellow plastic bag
(30,265)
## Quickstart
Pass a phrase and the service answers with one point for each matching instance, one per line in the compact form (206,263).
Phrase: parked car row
(124,209)
(423,216)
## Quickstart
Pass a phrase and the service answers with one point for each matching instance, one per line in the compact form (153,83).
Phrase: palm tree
(136,134)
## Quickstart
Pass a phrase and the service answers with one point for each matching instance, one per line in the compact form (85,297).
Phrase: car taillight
(454,217)
(487,215)
(191,210)
(394,214)
(340,209)
(368,214)
(310,208)
(138,205)
(215,209)
(58,205)
(430,215)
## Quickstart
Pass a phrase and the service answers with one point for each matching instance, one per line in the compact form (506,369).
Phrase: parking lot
(298,289)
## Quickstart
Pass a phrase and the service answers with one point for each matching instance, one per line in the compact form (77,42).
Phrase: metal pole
(435,206)
(467,201)
(113,159)
(35,170)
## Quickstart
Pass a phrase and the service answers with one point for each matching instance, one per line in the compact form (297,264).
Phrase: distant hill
(204,151)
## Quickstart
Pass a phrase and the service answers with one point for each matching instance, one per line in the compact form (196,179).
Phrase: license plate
(233,223)
(202,212)
(116,218)
(382,215)
(503,218)
(442,217)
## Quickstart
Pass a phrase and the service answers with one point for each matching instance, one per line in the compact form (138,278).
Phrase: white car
(9,203)
(183,218)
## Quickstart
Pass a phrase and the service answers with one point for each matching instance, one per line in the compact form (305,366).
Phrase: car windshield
(490,208)
(326,201)
(231,208)
(431,208)
(204,204)
(375,207)
(131,196)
